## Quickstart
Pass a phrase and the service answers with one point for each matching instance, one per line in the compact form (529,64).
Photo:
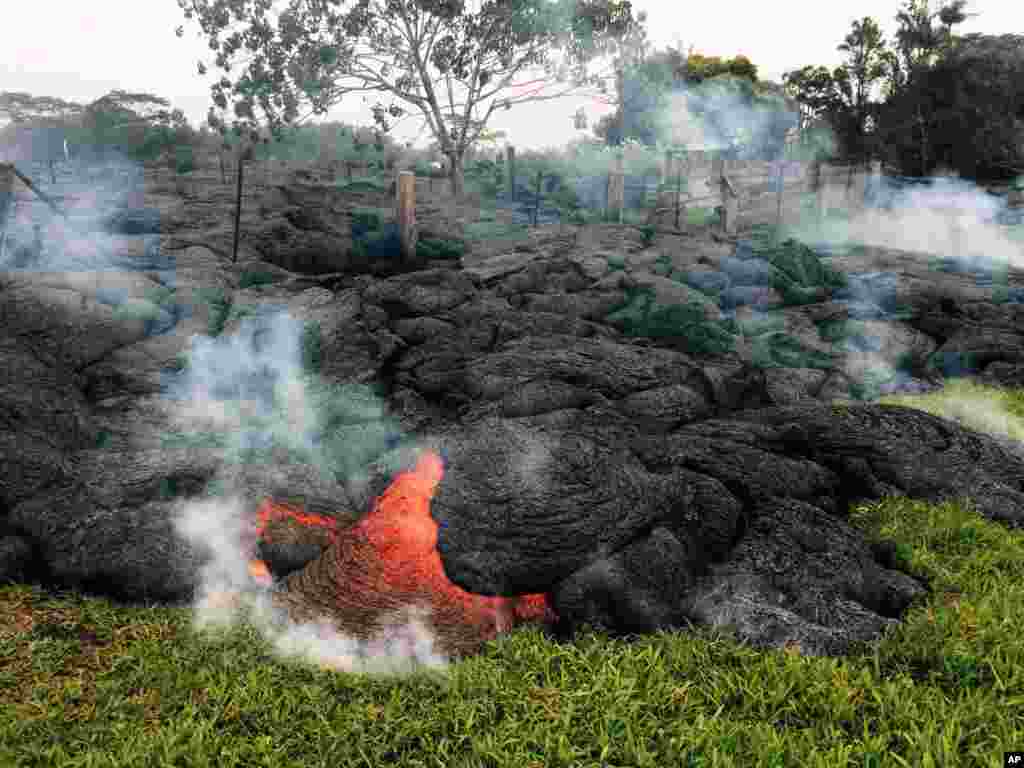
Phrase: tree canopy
(926,100)
(451,63)
(740,114)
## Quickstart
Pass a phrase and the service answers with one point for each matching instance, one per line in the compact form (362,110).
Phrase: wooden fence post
(536,200)
(781,180)
(243,155)
(730,200)
(6,203)
(616,191)
(817,188)
(406,213)
(510,163)
(680,208)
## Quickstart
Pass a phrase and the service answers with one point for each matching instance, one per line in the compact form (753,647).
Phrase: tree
(37,126)
(646,80)
(141,126)
(451,62)
(949,101)
(920,43)
(866,64)
(975,107)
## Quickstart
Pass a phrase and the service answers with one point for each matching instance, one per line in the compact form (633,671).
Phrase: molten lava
(260,573)
(390,557)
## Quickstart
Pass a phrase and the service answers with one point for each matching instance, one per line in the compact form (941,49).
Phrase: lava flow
(390,558)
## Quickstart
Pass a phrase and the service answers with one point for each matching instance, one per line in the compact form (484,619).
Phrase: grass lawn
(85,682)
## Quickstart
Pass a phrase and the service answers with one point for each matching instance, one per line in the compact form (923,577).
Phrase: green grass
(85,682)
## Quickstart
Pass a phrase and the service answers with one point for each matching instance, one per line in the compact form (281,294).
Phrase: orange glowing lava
(392,553)
(260,573)
(401,530)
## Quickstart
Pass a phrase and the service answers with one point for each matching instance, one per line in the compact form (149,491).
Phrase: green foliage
(220,308)
(778,349)
(184,159)
(616,262)
(487,176)
(938,91)
(641,315)
(251,278)
(363,185)
(365,220)
(439,248)
(647,233)
(311,344)
(490,231)
(799,271)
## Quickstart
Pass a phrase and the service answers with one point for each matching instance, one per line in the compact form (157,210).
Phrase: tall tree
(142,126)
(452,62)
(37,126)
(920,43)
(865,65)
(976,107)
(630,90)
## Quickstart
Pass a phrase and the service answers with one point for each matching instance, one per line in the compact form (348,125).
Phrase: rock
(640,476)
(15,559)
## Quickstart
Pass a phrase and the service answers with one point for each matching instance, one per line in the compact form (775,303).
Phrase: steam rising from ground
(250,389)
(87,195)
(949,219)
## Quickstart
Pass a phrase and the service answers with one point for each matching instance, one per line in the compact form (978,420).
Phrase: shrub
(220,308)
(311,344)
(252,278)
(641,316)
(778,349)
(184,159)
(365,185)
(384,243)
(439,248)
(364,221)
(647,232)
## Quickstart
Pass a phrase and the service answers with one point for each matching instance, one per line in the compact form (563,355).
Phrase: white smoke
(250,389)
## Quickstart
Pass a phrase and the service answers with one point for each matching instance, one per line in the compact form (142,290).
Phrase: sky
(80,51)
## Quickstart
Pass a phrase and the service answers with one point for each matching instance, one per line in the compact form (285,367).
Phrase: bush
(365,221)
(365,184)
(250,279)
(184,159)
(311,344)
(641,316)
(220,308)
(377,244)
(439,248)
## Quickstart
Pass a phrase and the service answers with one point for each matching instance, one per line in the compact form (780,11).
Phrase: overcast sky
(82,50)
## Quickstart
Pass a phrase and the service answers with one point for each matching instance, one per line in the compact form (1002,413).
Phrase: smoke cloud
(250,389)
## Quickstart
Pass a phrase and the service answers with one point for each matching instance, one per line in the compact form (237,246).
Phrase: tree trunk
(924,141)
(455,172)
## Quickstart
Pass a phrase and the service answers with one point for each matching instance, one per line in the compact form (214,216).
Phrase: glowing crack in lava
(389,561)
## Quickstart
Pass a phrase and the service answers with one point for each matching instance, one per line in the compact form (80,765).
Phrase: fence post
(817,188)
(510,162)
(6,200)
(679,188)
(536,199)
(242,157)
(730,202)
(781,180)
(406,213)
(616,190)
